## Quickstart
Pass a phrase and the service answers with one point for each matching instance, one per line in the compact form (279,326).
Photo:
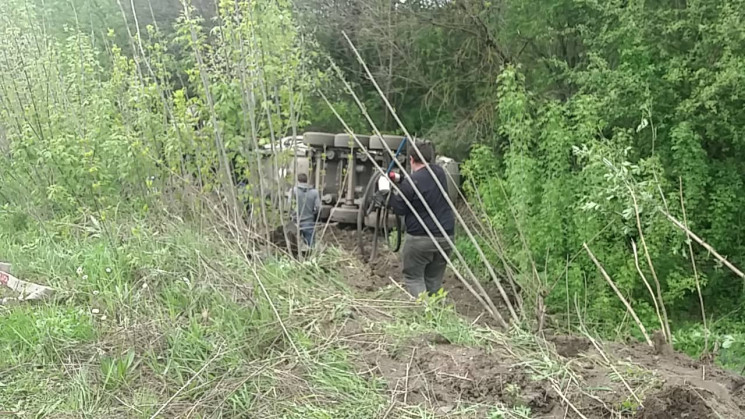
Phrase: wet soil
(431,372)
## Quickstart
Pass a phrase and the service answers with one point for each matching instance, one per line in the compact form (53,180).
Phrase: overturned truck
(345,173)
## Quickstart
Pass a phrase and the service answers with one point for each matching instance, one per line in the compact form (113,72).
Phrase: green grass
(435,316)
(39,335)
(187,323)
(726,335)
(175,319)
(184,321)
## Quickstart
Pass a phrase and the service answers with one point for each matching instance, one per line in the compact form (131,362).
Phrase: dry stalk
(554,384)
(442,189)
(326,225)
(668,334)
(620,296)
(219,144)
(401,288)
(523,239)
(605,357)
(566,400)
(484,298)
(229,393)
(218,354)
(705,245)
(496,243)
(649,288)
(566,285)
(695,270)
(408,368)
(274,307)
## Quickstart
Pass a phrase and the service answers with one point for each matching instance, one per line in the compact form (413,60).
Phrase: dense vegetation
(566,113)
(125,127)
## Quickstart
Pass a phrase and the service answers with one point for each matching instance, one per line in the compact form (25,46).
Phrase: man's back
(432,195)
(308,204)
(424,259)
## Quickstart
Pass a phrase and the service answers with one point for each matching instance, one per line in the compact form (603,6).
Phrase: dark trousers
(423,265)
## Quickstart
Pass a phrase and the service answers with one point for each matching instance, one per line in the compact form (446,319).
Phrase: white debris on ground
(28,291)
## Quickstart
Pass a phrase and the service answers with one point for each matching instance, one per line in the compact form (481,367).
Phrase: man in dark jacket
(308,203)
(423,264)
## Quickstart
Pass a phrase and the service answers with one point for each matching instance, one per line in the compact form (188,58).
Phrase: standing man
(423,264)
(308,206)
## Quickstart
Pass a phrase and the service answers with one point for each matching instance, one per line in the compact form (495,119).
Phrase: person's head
(302,178)
(427,150)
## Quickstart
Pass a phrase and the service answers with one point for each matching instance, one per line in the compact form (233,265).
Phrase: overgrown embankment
(178,321)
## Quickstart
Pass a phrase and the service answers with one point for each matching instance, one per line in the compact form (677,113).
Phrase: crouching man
(423,264)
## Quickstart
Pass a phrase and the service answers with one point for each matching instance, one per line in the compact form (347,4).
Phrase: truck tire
(347,141)
(318,139)
(393,141)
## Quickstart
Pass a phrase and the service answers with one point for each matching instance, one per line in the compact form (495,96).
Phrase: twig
(649,288)
(188,382)
(566,286)
(695,270)
(484,298)
(408,368)
(668,334)
(401,288)
(705,245)
(390,408)
(608,361)
(442,189)
(620,296)
(563,397)
(274,309)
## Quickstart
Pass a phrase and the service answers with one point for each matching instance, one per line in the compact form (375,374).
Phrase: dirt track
(432,372)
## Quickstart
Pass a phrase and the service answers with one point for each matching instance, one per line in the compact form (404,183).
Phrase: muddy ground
(608,380)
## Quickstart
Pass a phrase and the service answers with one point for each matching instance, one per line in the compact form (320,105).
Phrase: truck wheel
(393,141)
(318,139)
(365,203)
(347,141)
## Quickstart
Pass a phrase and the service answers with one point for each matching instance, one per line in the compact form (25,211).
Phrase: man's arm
(397,201)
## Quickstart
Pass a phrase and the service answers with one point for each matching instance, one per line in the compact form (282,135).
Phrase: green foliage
(651,101)
(568,109)
(727,337)
(92,128)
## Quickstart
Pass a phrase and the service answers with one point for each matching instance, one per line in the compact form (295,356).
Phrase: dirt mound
(442,376)
(569,346)
(430,372)
(625,380)
(468,305)
(676,402)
